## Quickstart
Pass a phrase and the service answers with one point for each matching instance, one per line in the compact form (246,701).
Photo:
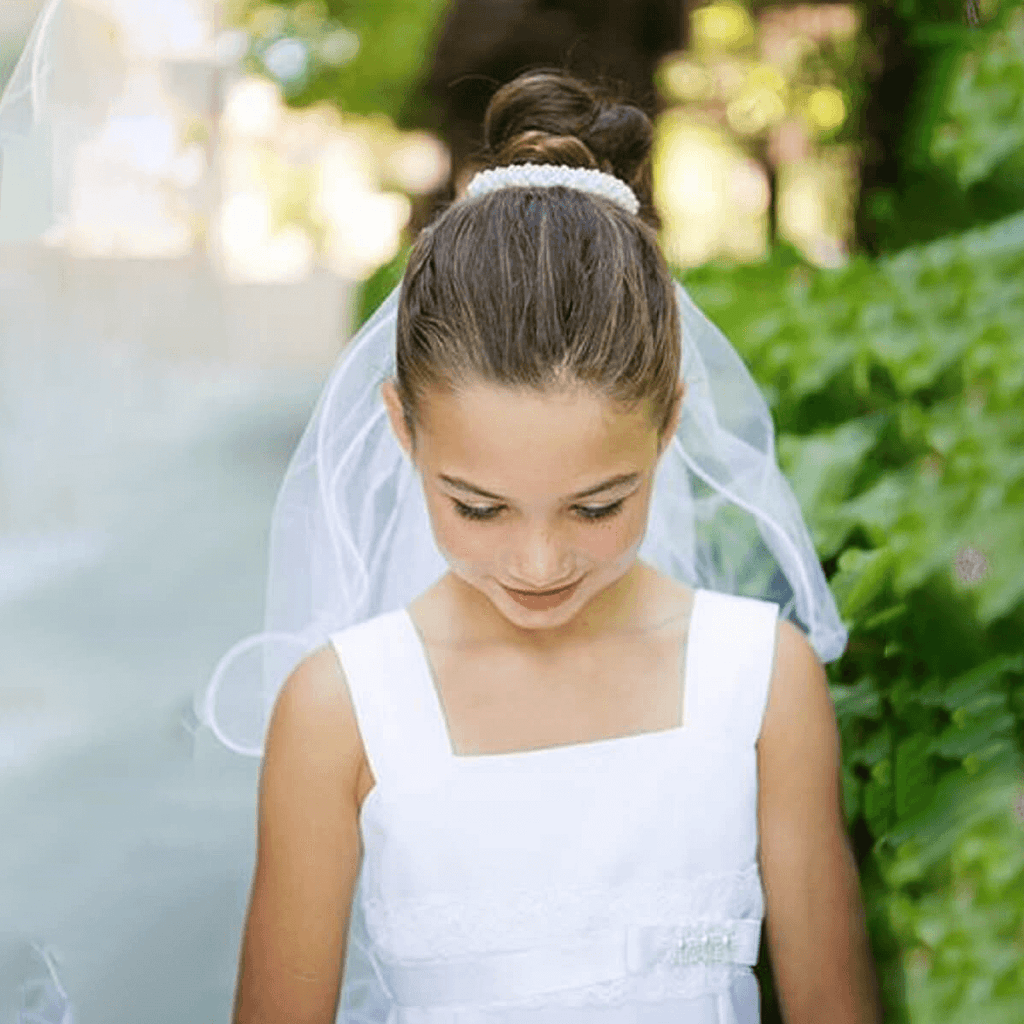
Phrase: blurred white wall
(101,361)
(116,301)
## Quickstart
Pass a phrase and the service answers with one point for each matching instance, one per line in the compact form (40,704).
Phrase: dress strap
(402,736)
(729,664)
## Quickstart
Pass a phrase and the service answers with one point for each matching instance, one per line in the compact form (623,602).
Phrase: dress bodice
(614,880)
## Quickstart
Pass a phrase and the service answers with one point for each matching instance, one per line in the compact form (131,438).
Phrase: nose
(543,563)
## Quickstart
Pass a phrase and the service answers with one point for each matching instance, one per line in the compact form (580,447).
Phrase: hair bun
(549,116)
(624,134)
(538,147)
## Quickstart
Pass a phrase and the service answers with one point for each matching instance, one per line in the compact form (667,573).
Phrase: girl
(558,749)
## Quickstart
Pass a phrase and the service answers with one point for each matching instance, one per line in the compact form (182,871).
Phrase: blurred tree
(363,57)
(906,195)
(908,66)
(482,44)
(834,65)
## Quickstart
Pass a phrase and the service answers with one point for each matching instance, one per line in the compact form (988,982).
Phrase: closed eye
(588,512)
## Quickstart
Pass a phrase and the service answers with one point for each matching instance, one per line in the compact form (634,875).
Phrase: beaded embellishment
(707,948)
(584,179)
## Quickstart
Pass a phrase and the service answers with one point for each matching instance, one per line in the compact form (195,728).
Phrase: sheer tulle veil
(351,539)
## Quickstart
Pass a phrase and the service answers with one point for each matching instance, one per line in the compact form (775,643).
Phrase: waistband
(590,959)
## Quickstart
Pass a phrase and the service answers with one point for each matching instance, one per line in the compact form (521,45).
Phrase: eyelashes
(586,512)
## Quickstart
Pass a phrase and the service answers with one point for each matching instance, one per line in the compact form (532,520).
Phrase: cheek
(457,537)
(618,542)
(626,534)
(466,541)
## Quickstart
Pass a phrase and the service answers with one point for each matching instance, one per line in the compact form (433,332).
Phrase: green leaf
(879,508)
(878,806)
(851,795)
(977,682)
(957,741)
(885,616)
(861,578)
(860,701)
(875,749)
(999,534)
(821,466)
(912,775)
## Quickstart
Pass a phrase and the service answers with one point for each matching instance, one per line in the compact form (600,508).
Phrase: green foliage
(394,38)
(896,387)
(957,905)
(961,154)
(376,288)
(983,124)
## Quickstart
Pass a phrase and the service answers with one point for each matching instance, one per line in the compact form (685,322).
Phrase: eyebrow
(615,481)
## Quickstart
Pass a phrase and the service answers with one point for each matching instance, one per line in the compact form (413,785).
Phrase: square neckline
(597,745)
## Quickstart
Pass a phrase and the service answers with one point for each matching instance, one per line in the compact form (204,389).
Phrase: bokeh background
(183,259)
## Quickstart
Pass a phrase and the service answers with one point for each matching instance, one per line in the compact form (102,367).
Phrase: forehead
(489,427)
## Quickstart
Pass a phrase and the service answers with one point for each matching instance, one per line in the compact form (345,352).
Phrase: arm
(307,853)
(814,917)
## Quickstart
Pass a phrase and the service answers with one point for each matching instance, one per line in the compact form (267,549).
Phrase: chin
(591,585)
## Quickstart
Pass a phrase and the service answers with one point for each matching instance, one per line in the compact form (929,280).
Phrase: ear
(393,406)
(677,412)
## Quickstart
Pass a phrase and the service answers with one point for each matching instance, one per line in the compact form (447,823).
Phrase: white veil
(49,113)
(351,539)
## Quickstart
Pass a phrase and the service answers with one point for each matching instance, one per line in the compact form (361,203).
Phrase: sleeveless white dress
(602,882)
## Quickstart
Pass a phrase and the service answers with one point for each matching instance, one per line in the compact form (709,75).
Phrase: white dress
(603,882)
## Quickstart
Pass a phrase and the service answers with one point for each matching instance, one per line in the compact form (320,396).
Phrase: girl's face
(534,492)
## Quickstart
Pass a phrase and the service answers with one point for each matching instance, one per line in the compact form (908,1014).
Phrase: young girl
(558,751)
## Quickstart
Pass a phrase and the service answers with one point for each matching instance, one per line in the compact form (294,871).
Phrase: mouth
(544,593)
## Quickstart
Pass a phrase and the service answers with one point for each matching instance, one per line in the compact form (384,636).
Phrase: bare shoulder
(798,694)
(799,751)
(313,721)
(316,684)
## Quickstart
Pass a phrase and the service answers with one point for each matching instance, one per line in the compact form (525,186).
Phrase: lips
(543,593)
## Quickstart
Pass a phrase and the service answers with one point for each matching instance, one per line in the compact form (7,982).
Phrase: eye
(472,512)
(602,512)
(586,512)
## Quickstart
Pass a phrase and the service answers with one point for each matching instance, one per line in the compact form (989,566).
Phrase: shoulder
(798,693)
(313,727)
(798,751)
(315,687)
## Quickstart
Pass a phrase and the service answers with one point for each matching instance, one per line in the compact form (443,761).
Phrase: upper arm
(814,918)
(307,853)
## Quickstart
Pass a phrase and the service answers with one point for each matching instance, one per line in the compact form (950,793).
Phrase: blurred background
(217,197)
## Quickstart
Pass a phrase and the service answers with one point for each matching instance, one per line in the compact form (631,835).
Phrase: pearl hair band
(585,179)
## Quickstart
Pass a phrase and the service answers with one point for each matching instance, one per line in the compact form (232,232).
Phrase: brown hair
(546,288)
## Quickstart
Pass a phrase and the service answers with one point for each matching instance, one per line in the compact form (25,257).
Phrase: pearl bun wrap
(584,179)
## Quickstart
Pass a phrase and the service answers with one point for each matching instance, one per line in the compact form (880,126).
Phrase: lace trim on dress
(445,925)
